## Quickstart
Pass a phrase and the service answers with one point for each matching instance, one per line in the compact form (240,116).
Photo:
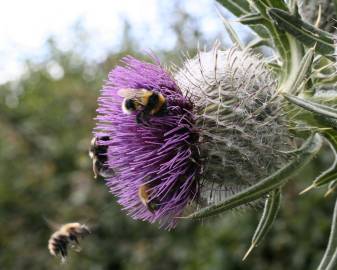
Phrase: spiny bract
(239,116)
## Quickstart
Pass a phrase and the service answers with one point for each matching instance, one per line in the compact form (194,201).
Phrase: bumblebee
(145,102)
(66,235)
(143,194)
(98,154)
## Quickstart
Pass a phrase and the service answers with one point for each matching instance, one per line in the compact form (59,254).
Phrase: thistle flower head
(163,155)
(224,131)
(239,115)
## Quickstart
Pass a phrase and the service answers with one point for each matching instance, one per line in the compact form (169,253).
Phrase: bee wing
(52,224)
(132,93)
(126,93)
(138,95)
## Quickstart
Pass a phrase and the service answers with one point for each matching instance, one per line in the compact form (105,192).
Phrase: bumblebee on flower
(159,155)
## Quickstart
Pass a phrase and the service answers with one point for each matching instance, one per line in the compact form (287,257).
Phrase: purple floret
(163,155)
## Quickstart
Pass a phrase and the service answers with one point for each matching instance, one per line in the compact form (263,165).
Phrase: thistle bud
(239,117)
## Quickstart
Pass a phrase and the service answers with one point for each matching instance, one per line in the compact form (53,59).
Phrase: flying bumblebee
(145,102)
(66,235)
(143,194)
(99,158)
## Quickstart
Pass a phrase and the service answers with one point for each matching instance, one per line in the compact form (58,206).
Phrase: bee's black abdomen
(142,118)
(98,154)
(153,100)
(130,104)
(104,138)
(102,149)
(163,110)
(98,149)
(73,237)
(61,245)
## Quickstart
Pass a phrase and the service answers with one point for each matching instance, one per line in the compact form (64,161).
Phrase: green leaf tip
(330,173)
(329,192)
(307,189)
(270,211)
(252,246)
(231,32)
(332,187)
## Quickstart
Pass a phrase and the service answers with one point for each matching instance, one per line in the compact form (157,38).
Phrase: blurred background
(54,58)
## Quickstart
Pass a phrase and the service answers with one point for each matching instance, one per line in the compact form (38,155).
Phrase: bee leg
(147,120)
(163,110)
(73,237)
(76,243)
(62,248)
(107,172)
(143,118)
(94,167)
(63,253)
(151,207)
(139,117)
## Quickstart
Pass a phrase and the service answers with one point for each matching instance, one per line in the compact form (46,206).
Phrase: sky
(26,25)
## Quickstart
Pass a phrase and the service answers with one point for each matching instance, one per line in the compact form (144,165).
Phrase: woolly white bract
(239,116)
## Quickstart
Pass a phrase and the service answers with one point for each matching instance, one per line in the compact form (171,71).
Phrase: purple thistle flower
(163,155)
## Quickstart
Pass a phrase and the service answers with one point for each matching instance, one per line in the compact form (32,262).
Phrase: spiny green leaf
(329,258)
(333,146)
(332,187)
(324,177)
(333,262)
(312,106)
(304,32)
(257,42)
(278,38)
(263,5)
(232,34)
(276,4)
(260,6)
(308,150)
(237,7)
(241,8)
(252,19)
(331,122)
(271,208)
(273,205)
(301,74)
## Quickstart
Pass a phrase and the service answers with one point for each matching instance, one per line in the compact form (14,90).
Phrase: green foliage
(308,34)
(46,173)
